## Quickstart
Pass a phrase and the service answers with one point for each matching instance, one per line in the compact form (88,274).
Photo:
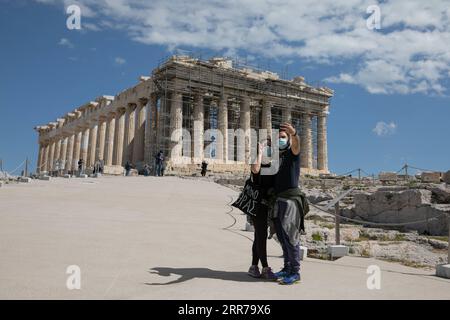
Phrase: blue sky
(378,76)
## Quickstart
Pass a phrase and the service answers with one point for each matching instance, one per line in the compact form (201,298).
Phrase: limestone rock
(439,194)
(316,195)
(113,170)
(387,177)
(446,177)
(432,177)
(401,207)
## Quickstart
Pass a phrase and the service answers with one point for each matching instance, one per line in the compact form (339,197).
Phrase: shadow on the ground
(187,274)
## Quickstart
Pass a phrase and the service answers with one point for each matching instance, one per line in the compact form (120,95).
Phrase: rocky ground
(405,247)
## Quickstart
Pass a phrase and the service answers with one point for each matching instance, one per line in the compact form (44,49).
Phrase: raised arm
(295,139)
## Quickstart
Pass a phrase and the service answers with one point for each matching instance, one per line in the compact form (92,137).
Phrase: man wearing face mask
(288,204)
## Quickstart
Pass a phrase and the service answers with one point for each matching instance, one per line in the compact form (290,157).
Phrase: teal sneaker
(281,274)
(291,279)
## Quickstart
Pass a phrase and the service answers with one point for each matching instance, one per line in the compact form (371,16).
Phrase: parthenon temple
(188,97)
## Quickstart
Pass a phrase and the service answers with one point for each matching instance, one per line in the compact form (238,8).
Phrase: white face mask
(282,143)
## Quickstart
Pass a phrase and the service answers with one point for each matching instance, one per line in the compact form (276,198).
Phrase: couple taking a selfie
(280,207)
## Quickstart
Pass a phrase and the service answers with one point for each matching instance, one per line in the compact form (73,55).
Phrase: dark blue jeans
(291,253)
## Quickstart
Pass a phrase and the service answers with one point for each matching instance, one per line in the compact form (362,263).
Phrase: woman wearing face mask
(259,250)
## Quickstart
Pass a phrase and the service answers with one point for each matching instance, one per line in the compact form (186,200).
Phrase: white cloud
(119,61)
(65,43)
(384,129)
(410,54)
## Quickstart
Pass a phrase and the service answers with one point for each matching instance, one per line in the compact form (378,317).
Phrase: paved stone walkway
(161,238)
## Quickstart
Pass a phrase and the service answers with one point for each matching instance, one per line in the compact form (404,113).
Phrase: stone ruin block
(45,178)
(431,177)
(413,205)
(446,177)
(387,177)
(133,173)
(25,179)
(113,170)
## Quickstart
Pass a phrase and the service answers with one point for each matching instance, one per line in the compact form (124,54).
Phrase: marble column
(92,148)
(306,142)
(57,155)
(69,154)
(176,126)
(51,156)
(119,137)
(100,144)
(84,146)
(322,152)
(45,166)
(130,121)
(245,126)
(150,129)
(267,116)
(286,113)
(223,127)
(109,141)
(63,153)
(77,150)
(138,145)
(40,158)
(198,128)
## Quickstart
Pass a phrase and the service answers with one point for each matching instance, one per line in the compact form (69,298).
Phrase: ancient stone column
(69,154)
(176,126)
(138,146)
(119,137)
(267,116)
(63,153)
(77,150)
(109,141)
(245,126)
(322,152)
(150,129)
(306,142)
(40,158)
(85,145)
(223,127)
(92,148)
(57,155)
(45,165)
(286,113)
(51,156)
(100,145)
(198,128)
(129,132)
